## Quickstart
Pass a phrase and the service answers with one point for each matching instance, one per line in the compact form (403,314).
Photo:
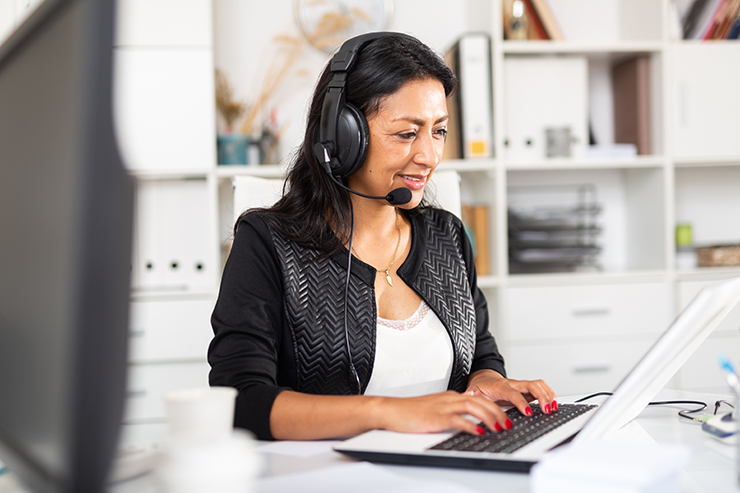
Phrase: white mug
(201,414)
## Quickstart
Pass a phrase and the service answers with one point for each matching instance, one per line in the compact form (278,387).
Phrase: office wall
(244,46)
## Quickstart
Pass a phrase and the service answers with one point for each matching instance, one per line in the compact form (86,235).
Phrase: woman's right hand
(439,412)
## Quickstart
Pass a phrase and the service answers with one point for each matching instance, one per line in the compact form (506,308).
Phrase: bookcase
(581,330)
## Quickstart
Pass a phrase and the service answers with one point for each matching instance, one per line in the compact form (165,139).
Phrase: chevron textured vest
(314,304)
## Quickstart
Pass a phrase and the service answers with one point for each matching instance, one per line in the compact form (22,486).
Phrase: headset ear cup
(353,137)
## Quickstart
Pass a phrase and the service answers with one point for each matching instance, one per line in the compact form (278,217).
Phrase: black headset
(342,147)
(343,132)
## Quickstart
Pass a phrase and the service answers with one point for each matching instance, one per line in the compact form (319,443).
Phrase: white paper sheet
(298,449)
(359,477)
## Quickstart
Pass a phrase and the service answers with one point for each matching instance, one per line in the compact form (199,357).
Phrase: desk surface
(712,468)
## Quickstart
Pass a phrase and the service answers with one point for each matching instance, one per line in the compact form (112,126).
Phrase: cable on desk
(684,413)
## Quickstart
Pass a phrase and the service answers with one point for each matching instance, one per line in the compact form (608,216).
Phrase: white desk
(712,468)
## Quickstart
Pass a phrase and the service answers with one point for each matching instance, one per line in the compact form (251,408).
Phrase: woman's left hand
(518,393)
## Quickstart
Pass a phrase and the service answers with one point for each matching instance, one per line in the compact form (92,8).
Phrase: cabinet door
(148,383)
(707,77)
(164,23)
(164,114)
(559,312)
(168,330)
(688,290)
(576,368)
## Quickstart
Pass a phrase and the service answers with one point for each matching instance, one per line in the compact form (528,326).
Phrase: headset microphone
(398,196)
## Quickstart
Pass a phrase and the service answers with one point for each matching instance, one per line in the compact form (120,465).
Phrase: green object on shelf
(684,236)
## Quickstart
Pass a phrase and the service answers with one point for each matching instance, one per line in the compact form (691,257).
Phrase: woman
(406,328)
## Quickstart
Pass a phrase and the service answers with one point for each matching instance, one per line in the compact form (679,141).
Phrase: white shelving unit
(581,330)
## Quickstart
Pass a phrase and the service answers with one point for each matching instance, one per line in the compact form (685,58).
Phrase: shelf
(587,278)
(565,47)
(261,171)
(489,282)
(707,273)
(465,165)
(171,294)
(694,162)
(173,174)
(596,163)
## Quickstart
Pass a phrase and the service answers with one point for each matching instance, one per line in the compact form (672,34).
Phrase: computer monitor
(65,243)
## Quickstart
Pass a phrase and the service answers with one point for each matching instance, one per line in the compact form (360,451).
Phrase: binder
(171,238)
(544,93)
(471,60)
(147,270)
(477,220)
(631,89)
(453,144)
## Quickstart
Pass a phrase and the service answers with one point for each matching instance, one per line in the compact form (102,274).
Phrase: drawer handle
(134,394)
(136,333)
(591,312)
(592,369)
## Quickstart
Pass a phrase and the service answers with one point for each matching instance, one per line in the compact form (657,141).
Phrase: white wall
(244,46)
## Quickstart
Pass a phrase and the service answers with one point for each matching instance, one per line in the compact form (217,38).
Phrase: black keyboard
(525,429)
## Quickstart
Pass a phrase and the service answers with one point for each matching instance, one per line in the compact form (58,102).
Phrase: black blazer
(278,321)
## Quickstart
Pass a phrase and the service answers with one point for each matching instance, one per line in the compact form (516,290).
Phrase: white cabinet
(576,367)
(170,330)
(582,339)
(147,384)
(164,108)
(702,371)
(707,101)
(164,118)
(576,313)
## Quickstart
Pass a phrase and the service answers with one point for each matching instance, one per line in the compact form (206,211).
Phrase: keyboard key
(525,429)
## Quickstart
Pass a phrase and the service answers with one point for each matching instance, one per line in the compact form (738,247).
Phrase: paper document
(357,477)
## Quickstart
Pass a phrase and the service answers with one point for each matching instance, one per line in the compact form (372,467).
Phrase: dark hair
(312,205)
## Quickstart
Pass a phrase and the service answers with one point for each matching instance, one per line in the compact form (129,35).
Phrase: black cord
(684,413)
(354,378)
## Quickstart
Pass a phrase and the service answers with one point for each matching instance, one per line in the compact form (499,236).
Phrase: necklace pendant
(388,277)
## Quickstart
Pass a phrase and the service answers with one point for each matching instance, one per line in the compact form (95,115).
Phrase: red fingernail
(547,408)
(528,411)
(498,427)
(480,430)
(508,424)
(554,405)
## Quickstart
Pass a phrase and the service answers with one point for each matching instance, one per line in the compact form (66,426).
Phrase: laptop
(577,422)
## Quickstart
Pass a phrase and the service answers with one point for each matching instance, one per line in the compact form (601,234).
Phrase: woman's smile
(414,182)
(407,136)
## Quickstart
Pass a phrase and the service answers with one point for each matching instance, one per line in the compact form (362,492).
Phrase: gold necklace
(387,271)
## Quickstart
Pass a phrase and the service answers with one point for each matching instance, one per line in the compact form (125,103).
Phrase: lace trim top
(412,357)
(410,322)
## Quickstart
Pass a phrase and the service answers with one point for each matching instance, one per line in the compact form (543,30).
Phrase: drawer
(148,383)
(702,371)
(576,368)
(170,330)
(577,311)
(688,290)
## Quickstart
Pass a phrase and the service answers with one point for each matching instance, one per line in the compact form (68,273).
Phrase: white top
(412,357)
